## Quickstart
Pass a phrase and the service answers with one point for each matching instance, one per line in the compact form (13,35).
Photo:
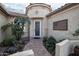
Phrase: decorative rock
(11,50)
(1,54)
(4,54)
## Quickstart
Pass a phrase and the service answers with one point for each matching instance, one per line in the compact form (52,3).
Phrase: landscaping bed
(13,41)
(7,50)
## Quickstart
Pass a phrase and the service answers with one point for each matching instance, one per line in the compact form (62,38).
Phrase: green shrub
(52,39)
(17,31)
(9,41)
(50,44)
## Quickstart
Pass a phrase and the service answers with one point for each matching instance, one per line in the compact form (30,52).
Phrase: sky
(21,7)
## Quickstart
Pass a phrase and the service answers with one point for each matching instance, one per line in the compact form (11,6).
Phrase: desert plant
(9,41)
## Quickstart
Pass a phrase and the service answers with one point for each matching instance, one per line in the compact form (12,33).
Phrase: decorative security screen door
(37,28)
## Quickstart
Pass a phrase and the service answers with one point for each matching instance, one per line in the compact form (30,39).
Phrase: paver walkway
(37,46)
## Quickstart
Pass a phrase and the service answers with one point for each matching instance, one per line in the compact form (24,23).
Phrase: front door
(37,28)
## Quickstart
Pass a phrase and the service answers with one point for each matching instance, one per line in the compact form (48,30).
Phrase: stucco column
(46,29)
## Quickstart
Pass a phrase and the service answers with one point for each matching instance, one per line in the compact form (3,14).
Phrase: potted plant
(76,50)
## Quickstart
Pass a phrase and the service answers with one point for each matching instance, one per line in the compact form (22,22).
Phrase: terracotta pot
(76,51)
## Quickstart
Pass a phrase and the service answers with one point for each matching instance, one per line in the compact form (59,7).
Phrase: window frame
(63,29)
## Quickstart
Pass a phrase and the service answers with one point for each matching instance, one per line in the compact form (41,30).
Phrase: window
(60,25)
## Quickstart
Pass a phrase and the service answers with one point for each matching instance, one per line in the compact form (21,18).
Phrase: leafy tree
(17,26)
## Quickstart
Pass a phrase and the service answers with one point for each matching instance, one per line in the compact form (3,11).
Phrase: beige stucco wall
(42,11)
(72,14)
(3,21)
(10,20)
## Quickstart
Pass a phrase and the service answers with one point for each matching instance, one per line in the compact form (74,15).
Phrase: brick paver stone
(38,48)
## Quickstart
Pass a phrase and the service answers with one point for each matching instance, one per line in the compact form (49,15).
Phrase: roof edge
(13,14)
(2,9)
(62,8)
